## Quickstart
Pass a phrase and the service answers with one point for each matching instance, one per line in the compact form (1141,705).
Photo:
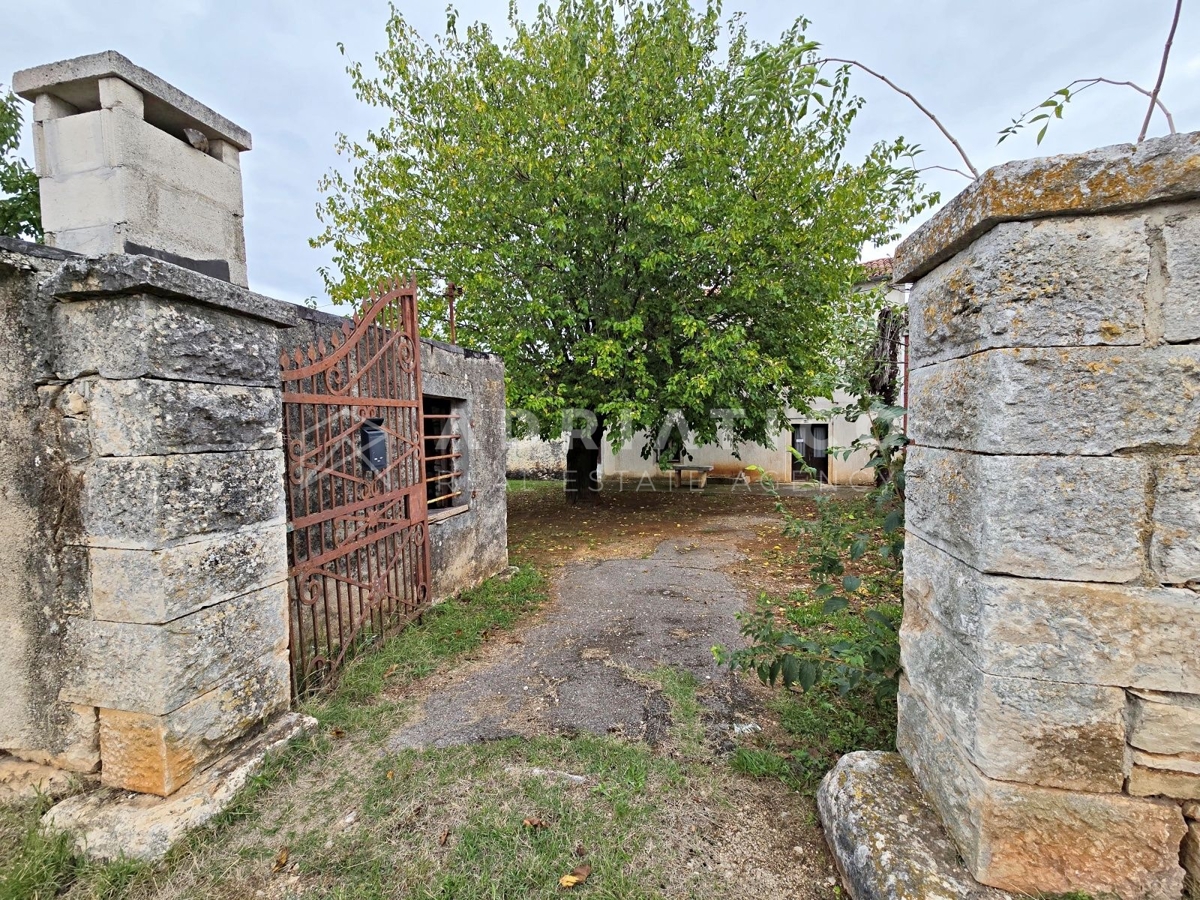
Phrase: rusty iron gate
(358,543)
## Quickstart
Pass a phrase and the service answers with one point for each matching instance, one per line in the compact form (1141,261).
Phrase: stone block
(75,144)
(1052,283)
(885,837)
(1151,781)
(1076,401)
(77,748)
(1067,518)
(1181,303)
(1166,724)
(156,586)
(1036,840)
(1119,635)
(1069,736)
(116,93)
(1108,180)
(151,502)
(111,824)
(1190,852)
(142,335)
(1191,810)
(159,754)
(153,417)
(1175,543)
(158,668)
(75,79)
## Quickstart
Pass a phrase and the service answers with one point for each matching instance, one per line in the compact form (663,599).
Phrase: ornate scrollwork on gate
(358,547)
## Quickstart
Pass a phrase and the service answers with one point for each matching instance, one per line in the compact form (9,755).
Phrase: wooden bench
(697,475)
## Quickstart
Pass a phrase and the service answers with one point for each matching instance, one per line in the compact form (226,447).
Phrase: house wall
(775,459)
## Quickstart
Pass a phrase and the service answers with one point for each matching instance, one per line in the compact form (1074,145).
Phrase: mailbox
(373,445)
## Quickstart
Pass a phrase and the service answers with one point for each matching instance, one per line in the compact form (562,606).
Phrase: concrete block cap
(77,82)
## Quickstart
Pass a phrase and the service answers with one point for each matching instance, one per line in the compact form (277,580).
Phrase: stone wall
(1050,705)
(146,472)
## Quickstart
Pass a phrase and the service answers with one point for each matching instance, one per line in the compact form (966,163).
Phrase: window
(444,471)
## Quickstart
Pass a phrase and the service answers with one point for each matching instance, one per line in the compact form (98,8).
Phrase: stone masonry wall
(1050,705)
(162,637)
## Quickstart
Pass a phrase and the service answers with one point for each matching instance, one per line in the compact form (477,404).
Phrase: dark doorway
(811,442)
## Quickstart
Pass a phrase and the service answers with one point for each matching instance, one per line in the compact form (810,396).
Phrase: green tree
(20,213)
(640,223)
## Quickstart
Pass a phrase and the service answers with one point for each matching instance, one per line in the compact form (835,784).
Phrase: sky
(274,68)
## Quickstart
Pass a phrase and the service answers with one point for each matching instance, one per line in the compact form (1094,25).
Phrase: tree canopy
(646,210)
(20,213)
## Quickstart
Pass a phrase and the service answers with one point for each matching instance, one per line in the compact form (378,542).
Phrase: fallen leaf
(390,775)
(281,861)
(532,822)
(578,875)
(445,837)
(579,851)
(337,732)
(392,670)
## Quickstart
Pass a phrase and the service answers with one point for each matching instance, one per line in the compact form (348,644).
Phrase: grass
(478,821)
(36,864)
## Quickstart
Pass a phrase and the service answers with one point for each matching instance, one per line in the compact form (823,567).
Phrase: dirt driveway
(573,718)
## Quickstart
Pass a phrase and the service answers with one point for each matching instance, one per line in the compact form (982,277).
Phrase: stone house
(812,435)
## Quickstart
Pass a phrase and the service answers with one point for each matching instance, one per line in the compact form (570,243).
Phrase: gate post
(168,389)
(1050,705)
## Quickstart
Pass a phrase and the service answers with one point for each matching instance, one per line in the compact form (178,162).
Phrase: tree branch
(917,103)
(944,169)
(1162,72)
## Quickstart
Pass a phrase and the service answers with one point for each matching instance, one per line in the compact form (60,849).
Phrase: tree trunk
(582,480)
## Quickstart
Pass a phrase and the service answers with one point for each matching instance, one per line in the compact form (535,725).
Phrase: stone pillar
(166,391)
(1050,705)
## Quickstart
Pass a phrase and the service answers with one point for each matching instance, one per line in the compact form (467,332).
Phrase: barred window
(445,482)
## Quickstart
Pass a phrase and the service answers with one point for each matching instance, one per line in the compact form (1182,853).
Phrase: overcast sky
(273,67)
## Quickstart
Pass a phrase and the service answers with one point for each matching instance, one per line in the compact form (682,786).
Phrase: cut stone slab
(149,417)
(1054,283)
(1175,544)
(1107,179)
(1036,840)
(886,840)
(1165,724)
(157,586)
(175,662)
(109,823)
(1065,518)
(1118,635)
(159,754)
(1114,398)
(177,340)
(77,82)
(1181,305)
(151,502)
(1044,732)
(21,780)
